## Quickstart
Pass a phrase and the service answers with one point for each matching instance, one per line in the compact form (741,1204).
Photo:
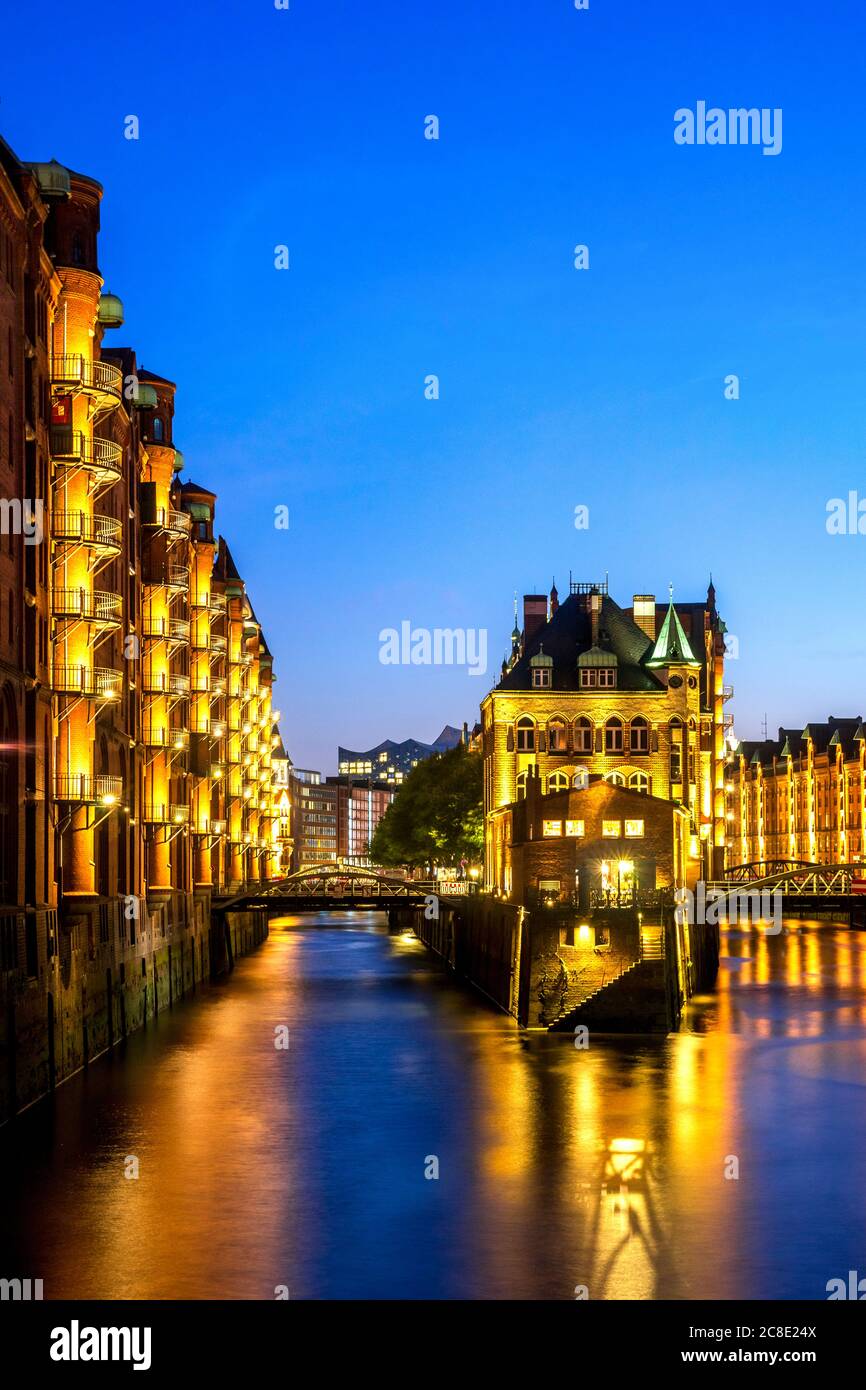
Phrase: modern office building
(390,762)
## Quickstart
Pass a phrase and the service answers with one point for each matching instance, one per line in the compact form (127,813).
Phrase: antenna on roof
(764,728)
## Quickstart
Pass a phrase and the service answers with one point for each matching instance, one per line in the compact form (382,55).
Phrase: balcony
(176,577)
(178,685)
(98,682)
(218,827)
(218,729)
(217,605)
(218,644)
(172,630)
(217,687)
(101,534)
(83,789)
(74,373)
(727,693)
(165,813)
(100,457)
(99,608)
(218,771)
(178,524)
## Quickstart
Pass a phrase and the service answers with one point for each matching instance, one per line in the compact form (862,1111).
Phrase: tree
(437,815)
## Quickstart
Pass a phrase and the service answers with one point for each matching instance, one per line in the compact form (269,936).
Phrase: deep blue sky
(454,257)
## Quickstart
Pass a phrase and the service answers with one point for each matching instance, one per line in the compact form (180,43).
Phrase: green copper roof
(540,659)
(596,656)
(672,646)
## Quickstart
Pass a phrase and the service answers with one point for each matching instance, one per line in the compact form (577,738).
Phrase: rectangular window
(676,765)
(611,829)
(633,829)
(607,677)
(541,678)
(552,828)
(588,679)
(575,828)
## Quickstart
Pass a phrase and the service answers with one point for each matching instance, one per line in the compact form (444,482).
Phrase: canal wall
(94,987)
(555,968)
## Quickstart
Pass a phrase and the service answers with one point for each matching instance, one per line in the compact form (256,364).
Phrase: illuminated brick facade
(633,694)
(136,720)
(800,796)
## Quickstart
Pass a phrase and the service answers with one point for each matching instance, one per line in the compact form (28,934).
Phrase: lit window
(611,829)
(615,779)
(639,782)
(575,828)
(580,780)
(552,828)
(557,782)
(521,784)
(557,737)
(634,829)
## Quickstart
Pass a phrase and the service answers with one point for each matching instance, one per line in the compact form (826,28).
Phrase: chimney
(644,614)
(534,616)
(594,615)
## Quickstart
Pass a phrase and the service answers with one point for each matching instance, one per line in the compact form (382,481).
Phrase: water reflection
(558,1168)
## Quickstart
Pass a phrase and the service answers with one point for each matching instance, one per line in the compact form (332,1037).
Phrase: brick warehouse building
(635,695)
(600,845)
(135,683)
(799,796)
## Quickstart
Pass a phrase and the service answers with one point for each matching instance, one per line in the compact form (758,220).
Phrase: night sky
(408,257)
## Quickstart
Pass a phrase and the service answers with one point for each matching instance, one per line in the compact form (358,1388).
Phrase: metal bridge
(804,885)
(332,886)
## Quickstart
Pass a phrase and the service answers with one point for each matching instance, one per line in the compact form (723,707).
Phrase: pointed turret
(672,646)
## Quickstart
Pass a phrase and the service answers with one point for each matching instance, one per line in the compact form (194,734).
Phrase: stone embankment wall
(104,978)
(544,968)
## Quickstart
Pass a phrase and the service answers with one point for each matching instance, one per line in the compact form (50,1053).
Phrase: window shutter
(509,746)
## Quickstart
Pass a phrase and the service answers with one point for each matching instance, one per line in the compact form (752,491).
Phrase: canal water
(609,1169)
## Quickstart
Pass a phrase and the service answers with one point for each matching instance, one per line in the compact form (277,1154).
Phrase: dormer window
(597,669)
(541,667)
(598,678)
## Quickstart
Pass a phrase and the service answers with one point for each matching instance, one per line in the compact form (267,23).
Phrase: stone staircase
(632,1001)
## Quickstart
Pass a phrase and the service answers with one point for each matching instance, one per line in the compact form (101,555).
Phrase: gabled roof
(568,635)
(672,646)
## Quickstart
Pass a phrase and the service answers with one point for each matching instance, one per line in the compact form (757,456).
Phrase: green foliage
(436,816)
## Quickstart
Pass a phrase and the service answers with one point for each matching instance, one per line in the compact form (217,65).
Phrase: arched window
(557,782)
(582,736)
(580,780)
(613,735)
(521,784)
(639,782)
(639,735)
(557,736)
(616,779)
(157,430)
(525,735)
